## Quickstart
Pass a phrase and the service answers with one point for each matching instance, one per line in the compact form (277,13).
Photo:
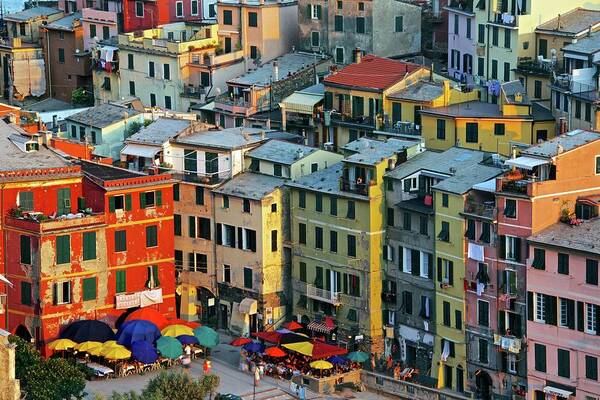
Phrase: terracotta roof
(372,72)
(574,21)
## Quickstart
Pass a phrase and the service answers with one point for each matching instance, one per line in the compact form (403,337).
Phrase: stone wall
(9,385)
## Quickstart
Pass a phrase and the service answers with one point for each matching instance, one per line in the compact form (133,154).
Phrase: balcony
(364,121)
(388,297)
(463,6)
(194,92)
(484,209)
(138,299)
(528,66)
(504,19)
(355,186)
(234,104)
(508,343)
(38,223)
(401,128)
(202,178)
(323,295)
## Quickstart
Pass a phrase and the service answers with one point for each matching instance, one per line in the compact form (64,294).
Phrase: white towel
(475,252)
(480,288)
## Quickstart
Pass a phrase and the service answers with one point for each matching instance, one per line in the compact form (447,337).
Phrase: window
(302,268)
(472,132)
(444,234)
(512,249)
(139,10)
(248,278)
(199,195)
(539,259)
(63,249)
(540,308)
(26,293)
(406,220)
(470,233)
(407,302)
(351,246)
(203,228)
(588,112)
(253,53)
(339,23)
(350,214)
(274,207)
(481,34)
(591,368)
(302,233)
(445,200)
(246,206)
(458,319)
(494,36)
(339,55)
(318,202)
(456,24)
(130,64)
(537,89)
(120,240)
(89,289)
(564,363)
(480,65)
(277,170)
(194,7)
(507,33)
(204,79)
(121,281)
(499,129)
(483,351)
(151,69)
(423,225)
(390,216)
(168,104)
(61,292)
(540,357)
(132,88)
(567,313)
(61,55)
(198,262)
(591,272)
(441,129)
(361,6)
(25,242)
(274,240)
(252,19)
(301,199)
(226,273)
(591,326)
(360,24)
(485,232)
(332,205)
(483,313)
(150,199)
(446,313)
(315,11)
(333,241)
(563,263)
(89,246)
(506,72)
(469,21)
(227,17)
(179,9)
(597,165)
(315,40)
(399,24)
(152,100)
(177,224)
(92,31)
(319,237)
(494,69)
(152,236)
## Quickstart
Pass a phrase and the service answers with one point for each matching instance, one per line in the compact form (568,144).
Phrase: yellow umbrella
(116,352)
(321,364)
(177,330)
(440,382)
(87,346)
(305,348)
(62,344)
(97,351)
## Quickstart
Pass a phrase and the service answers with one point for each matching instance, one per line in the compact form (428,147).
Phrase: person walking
(187,358)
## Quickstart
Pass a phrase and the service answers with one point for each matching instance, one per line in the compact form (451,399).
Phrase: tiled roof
(584,237)
(372,72)
(562,143)
(587,45)
(67,23)
(471,109)
(160,131)
(281,152)
(103,115)
(420,91)
(575,21)
(250,186)
(32,13)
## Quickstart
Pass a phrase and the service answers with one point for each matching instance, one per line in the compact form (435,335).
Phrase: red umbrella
(275,352)
(150,315)
(241,341)
(178,321)
(293,326)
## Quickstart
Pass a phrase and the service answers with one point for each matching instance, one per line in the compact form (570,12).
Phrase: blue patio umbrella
(137,330)
(254,347)
(88,331)
(144,352)
(187,339)
(337,360)
(283,330)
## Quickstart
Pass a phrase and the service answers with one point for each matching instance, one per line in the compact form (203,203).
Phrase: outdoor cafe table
(100,369)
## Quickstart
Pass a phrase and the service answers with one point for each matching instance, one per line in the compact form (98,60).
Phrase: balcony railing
(461,5)
(505,19)
(527,65)
(43,224)
(364,121)
(401,128)
(203,178)
(323,295)
(353,186)
(192,91)
(483,209)
(511,344)
(516,185)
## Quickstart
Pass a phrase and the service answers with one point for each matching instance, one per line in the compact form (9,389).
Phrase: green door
(64,201)
(396,112)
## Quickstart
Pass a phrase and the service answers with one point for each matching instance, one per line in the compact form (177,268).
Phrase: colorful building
(450,197)
(514,121)
(106,79)
(140,15)
(337,236)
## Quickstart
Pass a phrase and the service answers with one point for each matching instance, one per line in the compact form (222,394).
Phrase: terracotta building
(68,63)
(139,15)
(71,255)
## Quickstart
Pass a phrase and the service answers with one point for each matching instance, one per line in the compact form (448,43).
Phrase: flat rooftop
(32,14)
(103,115)
(370,152)
(281,152)
(250,186)
(584,237)
(160,131)
(560,144)
(226,139)
(471,109)
(107,172)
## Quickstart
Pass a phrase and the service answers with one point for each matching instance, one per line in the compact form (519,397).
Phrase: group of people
(393,368)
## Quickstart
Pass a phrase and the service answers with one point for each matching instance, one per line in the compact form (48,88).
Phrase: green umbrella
(206,336)
(358,356)
(169,347)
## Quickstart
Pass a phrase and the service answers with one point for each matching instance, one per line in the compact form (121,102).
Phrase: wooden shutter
(111,203)
(550,309)
(192,226)
(502,240)
(219,234)
(571,314)
(400,257)
(451,273)
(89,289)
(155,275)
(240,239)
(530,306)
(158,196)
(501,322)
(25,249)
(518,249)
(580,316)
(55,293)
(121,281)
(128,202)
(439,269)
(142,200)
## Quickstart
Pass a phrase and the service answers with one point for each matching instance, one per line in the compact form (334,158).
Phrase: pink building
(98,25)
(564,308)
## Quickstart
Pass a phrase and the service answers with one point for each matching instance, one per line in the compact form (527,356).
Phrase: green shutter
(63,249)
(155,274)
(151,236)
(89,289)
(26,293)
(81,203)
(89,246)
(25,249)
(192,226)
(158,197)
(143,200)
(177,224)
(111,203)
(121,281)
(128,202)
(120,240)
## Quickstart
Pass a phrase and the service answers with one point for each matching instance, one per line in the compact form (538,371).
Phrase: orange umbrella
(293,326)
(178,321)
(150,315)
(241,341)
(275,352)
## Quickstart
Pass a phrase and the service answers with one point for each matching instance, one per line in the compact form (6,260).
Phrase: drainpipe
(48,63)
(487,47)
(3,247)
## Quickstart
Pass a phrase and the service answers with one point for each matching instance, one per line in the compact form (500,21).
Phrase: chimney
(431,73)
(589,32)
(358,55)
(275,71)
(558,23)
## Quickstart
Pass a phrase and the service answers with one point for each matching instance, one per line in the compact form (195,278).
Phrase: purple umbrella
(254,347)
(137,330)
(187,339)
(337,360)
(144,352)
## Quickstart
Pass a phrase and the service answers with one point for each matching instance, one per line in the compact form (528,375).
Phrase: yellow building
(450,348)
(380,97)
(496,128)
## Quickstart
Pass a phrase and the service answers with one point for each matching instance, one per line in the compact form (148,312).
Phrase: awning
(487,186)
(526,162)
(249,306)
(302,103)
(3,279)
(322,327)
(139,150)
(557,392)
(207,107)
